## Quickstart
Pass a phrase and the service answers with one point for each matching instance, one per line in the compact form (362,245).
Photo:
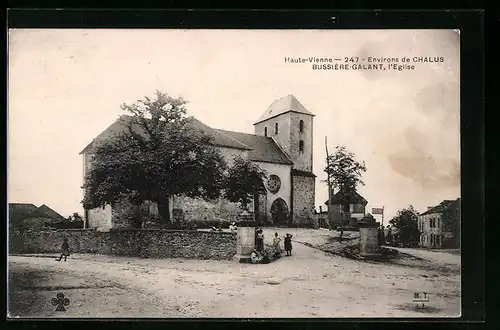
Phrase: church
(282,145)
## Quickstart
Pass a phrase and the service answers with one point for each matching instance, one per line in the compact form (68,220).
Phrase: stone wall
(197,209)
(303,198)
(147,243)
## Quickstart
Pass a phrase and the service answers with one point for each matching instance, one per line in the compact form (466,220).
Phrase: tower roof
(283,105)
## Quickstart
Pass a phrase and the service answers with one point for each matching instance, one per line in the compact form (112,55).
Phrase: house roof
(263,149)
(353,197)
(19,211)
(260,148)
(283,105)
(120,126)
(45,212)
(446,204)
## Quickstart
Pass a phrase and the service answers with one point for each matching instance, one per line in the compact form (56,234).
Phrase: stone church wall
(125,214)
(197,209)
(285,191)
(228,154)
(100,217)
(283,136)
(303,199)
(302,160)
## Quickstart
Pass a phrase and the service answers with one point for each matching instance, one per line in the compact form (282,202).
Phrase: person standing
(65,250)
(276,244)
(288,244)
(260,240)
(381,238)
(255,236)
(389,236)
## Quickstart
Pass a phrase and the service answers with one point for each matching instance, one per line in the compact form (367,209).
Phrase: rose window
(274,183)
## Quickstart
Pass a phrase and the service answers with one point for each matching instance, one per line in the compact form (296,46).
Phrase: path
(432,255)
(308,284)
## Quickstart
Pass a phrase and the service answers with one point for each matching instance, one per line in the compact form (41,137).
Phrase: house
(282,145)
(18,212)
(356,207)
(28,216)
(440,225)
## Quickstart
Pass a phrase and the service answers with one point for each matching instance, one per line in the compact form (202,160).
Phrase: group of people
(259,256)
(232,227)
(385,236)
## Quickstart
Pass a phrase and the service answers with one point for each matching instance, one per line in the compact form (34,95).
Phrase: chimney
(320,209)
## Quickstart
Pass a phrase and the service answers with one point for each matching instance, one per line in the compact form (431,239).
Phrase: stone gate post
(245,243)
(368,236)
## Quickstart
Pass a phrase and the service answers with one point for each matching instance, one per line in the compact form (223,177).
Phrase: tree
(158,155)
(344,173)
(451,224)
(243,182)
(406,221)
(77,217)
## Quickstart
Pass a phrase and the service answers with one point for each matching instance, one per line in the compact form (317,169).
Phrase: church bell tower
(290,124)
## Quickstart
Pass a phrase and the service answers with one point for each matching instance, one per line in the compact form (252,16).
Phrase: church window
(301,126)
(265,131)
(276,128)
(274,183)
(301,146)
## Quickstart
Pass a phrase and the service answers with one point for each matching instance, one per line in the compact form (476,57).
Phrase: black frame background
(472,116)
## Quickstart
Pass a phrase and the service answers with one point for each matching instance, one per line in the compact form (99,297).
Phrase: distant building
(357,207)
(18,212)
(28,216)
(440,225)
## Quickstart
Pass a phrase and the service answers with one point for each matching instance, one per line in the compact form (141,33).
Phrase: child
(288,244)
(65,250)
(276,244)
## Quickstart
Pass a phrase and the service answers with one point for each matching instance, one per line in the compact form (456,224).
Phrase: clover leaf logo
(60,302)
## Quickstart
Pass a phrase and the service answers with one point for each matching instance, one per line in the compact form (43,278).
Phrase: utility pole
(382,216)
(329,188)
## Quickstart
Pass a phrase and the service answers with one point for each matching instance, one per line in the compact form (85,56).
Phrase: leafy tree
(406,221)
(77,217)
(451,224)
(158,155)
(243,182)
(344,174)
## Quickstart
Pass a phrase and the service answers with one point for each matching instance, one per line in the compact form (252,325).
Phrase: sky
(66,86)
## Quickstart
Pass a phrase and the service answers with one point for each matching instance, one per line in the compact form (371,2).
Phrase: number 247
(351,59)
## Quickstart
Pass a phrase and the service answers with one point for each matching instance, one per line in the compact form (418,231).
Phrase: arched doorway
(279,212)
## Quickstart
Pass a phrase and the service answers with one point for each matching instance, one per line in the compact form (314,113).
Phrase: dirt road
(432,255)
(310,283)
